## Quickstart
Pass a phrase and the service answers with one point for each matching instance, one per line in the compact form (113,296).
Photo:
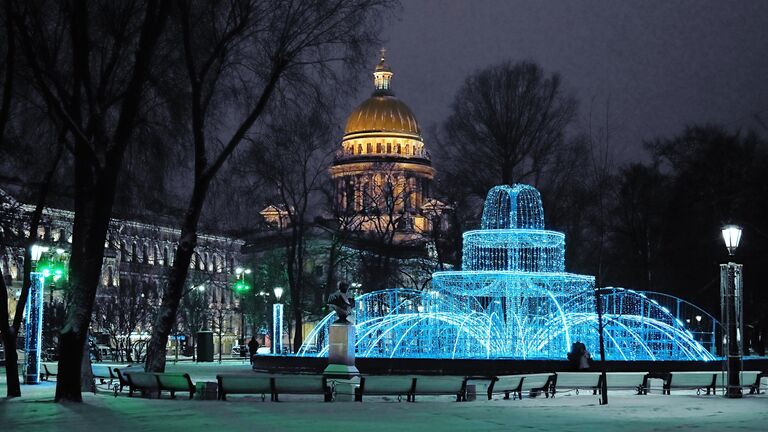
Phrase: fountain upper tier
(512,250)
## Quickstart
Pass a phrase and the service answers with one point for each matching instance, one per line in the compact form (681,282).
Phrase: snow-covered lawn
(626,412)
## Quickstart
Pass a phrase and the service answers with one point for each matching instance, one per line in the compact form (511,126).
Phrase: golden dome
(382,113)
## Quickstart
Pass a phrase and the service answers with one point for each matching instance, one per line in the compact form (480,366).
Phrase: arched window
(165,256)
(369,148)
(145,254)
(215,263)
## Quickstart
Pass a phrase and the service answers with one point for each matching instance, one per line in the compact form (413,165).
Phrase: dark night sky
(662,64)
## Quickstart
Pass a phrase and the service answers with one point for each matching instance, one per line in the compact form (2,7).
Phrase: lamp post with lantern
(731,304)
(53,267)
(242,287)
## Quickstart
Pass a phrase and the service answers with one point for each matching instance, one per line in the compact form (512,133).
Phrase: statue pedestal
(341,352)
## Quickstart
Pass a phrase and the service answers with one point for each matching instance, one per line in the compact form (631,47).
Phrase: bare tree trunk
(9,342)
(166,317)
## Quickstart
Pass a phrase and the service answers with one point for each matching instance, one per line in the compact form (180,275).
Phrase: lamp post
(242,287)
(33,329)
(277,322)
(731,302)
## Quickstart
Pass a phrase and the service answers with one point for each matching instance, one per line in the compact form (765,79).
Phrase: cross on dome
(382,74)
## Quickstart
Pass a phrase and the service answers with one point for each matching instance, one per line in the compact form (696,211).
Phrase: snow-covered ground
(625,412)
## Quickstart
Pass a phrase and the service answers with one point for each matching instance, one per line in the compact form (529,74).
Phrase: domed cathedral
(382,173)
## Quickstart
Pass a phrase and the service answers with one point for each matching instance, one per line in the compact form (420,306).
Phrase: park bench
(762,376)
(747,379)
(245,384)
(50,370)
(173,382)
(121,379)
(690,380)
(536,383)
(142,381)
(385,385)
(516,384)
(158,382)
(637,381)
(301,384)
(576,381)
(433,385)
(505,384)
(102,372)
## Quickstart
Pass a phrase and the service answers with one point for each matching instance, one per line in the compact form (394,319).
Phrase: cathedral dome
(382,113)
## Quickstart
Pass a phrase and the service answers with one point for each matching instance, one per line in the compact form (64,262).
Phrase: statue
(341,303)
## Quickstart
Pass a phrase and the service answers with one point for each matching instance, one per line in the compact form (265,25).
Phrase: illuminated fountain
(513,299)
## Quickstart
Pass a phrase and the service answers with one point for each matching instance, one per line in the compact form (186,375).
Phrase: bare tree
(122,310)
(293,158)
(506,124)
(253,49)
(90,63)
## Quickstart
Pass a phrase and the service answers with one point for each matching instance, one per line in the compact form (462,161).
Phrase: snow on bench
(385,385)
(576,381)
(439,385)
(690,380)
(301,384)
(637,381)
(245,384)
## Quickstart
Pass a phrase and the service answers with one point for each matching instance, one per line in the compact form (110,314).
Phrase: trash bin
(205,346)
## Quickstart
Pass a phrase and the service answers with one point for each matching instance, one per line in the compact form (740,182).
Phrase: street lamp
(277,322)
(241,287)
(731,302)
(51,267)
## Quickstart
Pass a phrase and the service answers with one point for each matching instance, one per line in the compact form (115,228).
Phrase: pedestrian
(253,347)
(585,357)
(579,357)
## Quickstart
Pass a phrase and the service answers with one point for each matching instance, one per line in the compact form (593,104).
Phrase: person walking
(253,348)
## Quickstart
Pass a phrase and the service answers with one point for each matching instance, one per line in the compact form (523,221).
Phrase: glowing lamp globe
(731,236)
(278,292)
(37,251)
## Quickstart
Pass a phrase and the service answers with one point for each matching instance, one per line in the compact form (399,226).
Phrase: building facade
(137,261)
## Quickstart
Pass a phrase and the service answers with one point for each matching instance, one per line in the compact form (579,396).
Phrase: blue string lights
(513,299)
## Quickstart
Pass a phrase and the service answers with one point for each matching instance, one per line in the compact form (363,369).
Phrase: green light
(241,286)
(46,272)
